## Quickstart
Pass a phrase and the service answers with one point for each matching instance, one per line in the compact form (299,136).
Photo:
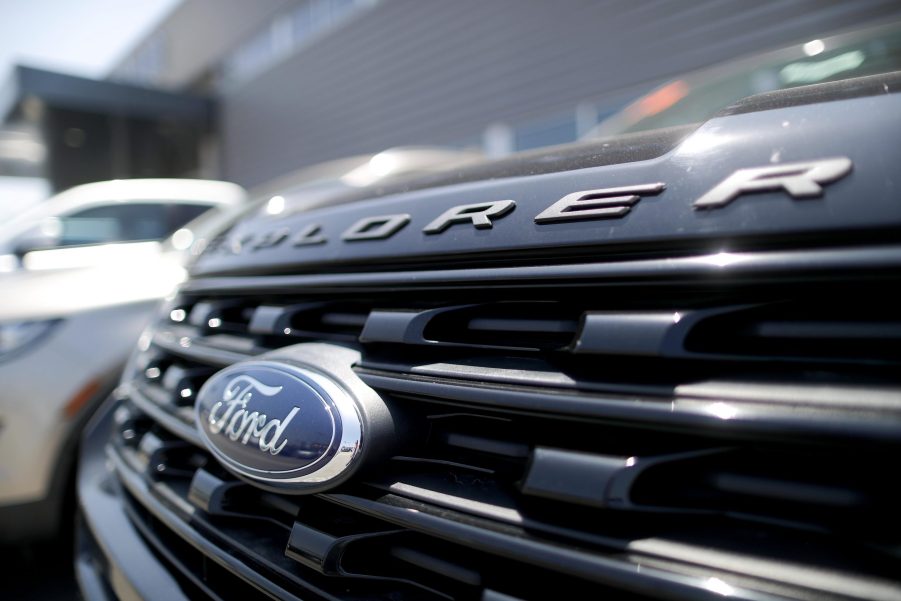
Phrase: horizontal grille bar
(166,504)
(801,266)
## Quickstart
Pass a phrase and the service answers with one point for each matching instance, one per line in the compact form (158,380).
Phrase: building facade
(297,82)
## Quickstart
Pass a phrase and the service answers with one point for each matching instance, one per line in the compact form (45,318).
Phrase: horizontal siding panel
(431,71)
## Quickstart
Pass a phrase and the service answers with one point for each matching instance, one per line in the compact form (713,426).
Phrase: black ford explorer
(658,365)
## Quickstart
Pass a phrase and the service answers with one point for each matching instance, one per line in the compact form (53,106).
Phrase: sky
(80,37)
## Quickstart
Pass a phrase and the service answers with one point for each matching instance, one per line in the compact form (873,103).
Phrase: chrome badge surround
(231,410)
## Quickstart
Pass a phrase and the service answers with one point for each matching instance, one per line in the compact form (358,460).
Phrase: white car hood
(30,294)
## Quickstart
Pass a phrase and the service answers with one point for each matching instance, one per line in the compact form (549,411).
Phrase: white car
(84,272)
(77,227)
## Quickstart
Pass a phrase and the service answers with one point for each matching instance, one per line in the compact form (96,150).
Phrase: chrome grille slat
(681,412)
(140,491)
(590,567)
(854,263)
(197,351)
(177,426)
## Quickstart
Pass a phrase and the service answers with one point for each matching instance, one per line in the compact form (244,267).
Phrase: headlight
(19,335)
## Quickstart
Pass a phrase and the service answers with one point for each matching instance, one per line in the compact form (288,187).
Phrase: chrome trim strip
(800,264)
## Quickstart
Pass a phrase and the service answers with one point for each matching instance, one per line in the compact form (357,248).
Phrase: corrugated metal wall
(437,72)
(196,34)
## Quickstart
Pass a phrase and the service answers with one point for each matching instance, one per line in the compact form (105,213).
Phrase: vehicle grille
(654,430)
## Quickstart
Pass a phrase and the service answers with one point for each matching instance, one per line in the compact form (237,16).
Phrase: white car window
(124,223)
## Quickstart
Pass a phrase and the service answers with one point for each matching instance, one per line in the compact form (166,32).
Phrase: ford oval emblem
(280,424)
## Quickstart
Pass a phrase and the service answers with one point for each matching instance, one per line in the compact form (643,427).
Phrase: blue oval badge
(279,423)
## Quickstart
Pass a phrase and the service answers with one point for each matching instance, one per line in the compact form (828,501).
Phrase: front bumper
(112,560)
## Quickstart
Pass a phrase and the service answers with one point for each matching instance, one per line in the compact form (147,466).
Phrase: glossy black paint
(861,129)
